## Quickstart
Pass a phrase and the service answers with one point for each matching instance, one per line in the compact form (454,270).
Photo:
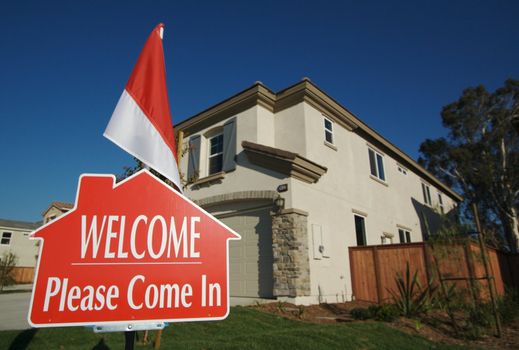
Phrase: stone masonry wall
(290,249)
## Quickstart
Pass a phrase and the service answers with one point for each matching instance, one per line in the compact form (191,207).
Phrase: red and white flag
(141,123)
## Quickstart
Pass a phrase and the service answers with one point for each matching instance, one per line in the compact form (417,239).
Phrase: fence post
(352,276)
(377,273)
(490,283)
(444,290)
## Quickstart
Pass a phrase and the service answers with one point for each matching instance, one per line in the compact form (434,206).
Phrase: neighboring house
(14,238)
(56,209)
(302,179)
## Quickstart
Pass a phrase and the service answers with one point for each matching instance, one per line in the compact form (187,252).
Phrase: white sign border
(133,322)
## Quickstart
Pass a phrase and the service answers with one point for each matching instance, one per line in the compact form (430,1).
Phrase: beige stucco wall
(24,248)
(290,130)
(346,187)
(255,125)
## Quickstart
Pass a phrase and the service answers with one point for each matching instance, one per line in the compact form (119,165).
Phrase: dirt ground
(435,327)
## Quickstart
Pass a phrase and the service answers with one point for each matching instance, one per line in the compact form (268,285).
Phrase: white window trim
(441,203)
(377,177)
(428,187)
(329,130)
(209,155)
(404,229)
(365,229)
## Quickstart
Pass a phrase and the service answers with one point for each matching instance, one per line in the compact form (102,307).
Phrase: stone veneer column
(290,250)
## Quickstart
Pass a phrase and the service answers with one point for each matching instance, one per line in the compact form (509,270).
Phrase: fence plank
(363,284)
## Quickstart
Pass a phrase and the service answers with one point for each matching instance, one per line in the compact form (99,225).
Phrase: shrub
(7,264)
(387,313)
(373,310)
(360,313)
(508,306)
(411,298)
(479,321)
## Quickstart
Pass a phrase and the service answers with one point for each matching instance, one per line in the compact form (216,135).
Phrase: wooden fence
(373,268)
(23,275)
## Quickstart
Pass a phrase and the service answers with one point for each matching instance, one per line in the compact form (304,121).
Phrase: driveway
(13,310)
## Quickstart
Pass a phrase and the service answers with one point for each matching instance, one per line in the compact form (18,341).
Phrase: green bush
(479,321)
(360,313)
(373,310)
(387,313)
(508,306)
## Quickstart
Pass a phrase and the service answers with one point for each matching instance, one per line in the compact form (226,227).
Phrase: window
(215,154)
(328,130)
(212,154)
(360,230)
(404,235)
(440,202)
(376,164)
(6,238)
(426,194)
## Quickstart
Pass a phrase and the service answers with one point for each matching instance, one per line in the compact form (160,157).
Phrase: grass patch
(244,329)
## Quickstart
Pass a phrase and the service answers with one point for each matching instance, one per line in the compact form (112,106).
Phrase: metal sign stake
(129,340)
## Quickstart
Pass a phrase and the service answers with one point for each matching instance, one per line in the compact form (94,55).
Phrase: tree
(7,264)
(139,165)
(480,156)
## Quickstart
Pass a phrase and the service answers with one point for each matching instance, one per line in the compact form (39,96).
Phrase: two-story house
(302,179)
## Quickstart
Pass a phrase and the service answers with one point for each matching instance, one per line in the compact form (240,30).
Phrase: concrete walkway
(13,310)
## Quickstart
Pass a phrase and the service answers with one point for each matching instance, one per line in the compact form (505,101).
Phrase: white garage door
(251,257)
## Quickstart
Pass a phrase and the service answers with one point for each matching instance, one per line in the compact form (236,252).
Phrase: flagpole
(180,140)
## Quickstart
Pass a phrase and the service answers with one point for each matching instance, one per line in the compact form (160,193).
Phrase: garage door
(251,257)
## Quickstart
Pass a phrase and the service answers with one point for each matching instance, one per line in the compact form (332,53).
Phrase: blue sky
(65,64)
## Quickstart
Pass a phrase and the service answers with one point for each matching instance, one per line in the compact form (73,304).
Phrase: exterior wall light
(280,203)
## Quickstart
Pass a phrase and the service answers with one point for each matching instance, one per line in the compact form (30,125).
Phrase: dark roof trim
(19,224)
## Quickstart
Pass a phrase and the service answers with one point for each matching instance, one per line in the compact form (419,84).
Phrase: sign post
(131,256)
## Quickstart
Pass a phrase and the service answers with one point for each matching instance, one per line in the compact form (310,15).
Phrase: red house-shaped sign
(130,252)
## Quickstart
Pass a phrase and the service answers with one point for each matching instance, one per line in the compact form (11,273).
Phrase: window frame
(440,203)
(218,154)
(9,239)
(328,131)
(364,238)
(426,192)
(404,235)
(376,164)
